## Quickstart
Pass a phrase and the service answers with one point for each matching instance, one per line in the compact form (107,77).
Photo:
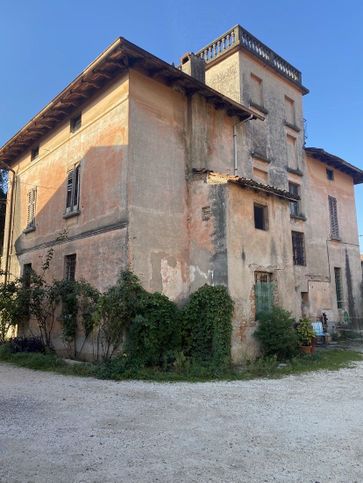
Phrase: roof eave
(337,163)
(117,58)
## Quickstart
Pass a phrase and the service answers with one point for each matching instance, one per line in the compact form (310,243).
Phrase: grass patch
(117,370)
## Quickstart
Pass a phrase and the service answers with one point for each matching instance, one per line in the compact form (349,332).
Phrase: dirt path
(67,429)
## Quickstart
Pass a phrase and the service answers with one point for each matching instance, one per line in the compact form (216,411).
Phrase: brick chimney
(193,65)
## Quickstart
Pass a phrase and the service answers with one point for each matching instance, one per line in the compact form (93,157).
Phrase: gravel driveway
(67,429)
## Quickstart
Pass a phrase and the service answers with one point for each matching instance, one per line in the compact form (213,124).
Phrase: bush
(115,311)
(276,334)
(155,333)
(207,326)
(26,344)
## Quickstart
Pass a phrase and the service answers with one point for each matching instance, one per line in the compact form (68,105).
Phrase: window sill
(29,229)
(335,238)
(71,214)
(262,109)
(298,217)
(294,127)
(296,171)
(260,157)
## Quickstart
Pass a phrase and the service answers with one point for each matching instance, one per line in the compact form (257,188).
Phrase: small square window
(76,122)
(34,153)
(261,216)
(330,174)
(70,267)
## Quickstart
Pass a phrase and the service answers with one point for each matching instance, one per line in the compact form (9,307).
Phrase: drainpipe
(7,255)
(235,142)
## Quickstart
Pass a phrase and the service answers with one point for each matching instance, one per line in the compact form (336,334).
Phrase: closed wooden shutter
(333,215)
(32,198)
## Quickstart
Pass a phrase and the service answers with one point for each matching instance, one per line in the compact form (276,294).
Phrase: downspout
(235,142)
(10,226)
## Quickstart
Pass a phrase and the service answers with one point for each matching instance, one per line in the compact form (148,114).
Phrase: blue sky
(45,44)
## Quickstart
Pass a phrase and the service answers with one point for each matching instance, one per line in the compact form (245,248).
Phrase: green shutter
(264,297)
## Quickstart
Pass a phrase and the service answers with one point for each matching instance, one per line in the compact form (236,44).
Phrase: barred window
(73,186)
(298,248)
(333,215)
(70,267)
(338,286)
(31,200)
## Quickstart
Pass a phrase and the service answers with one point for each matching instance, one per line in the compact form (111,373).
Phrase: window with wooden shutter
(333,215)
(32,199)
(73,187)
(263,292)
(338,287)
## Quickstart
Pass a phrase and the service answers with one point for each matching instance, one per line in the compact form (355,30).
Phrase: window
(73,180)
(290,111)
(294,189)
(263,292)
(330,174)
(70,267)
(75,122)
(333,215)
(31,200)
(34,153)
(291,151)
(298,248)
(338,286)
(261,216)
(256,91)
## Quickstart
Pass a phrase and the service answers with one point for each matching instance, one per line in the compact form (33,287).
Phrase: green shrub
(276,334)
(207,326)
(154,335)
(115,311)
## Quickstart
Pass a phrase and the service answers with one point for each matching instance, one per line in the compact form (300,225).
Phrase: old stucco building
(188,175)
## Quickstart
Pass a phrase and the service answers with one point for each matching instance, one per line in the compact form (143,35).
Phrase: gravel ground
(66,429)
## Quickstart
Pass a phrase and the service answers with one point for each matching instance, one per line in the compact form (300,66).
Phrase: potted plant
(306,335)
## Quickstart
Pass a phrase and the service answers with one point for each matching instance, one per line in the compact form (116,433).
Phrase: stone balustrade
(239,36)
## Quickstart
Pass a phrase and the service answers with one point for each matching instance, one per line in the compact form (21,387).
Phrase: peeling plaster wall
(251,250)
(268,138)
(157,190)
(323,253)
(100,146)
(170,135)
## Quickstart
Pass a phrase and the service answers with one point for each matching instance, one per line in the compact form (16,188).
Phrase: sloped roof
(337,163)
(117,58)
(221,178)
